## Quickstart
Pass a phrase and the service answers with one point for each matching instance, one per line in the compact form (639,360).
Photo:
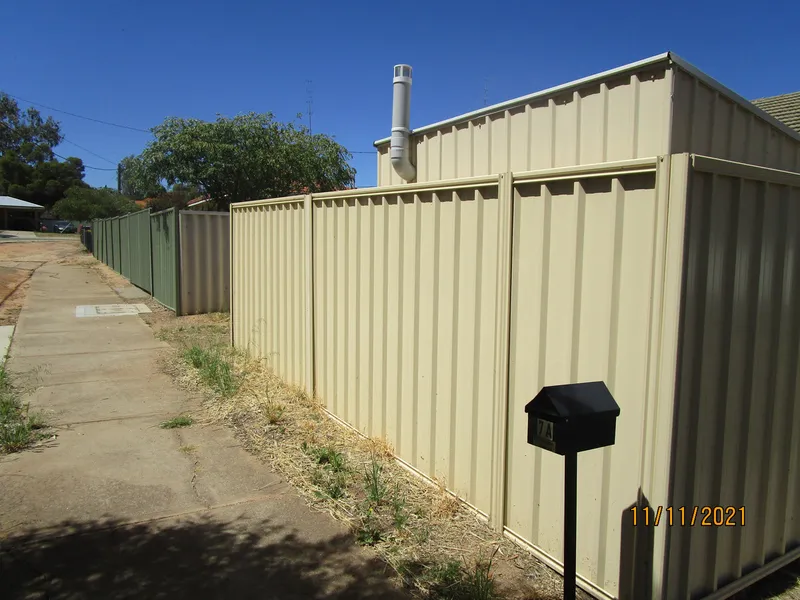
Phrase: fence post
(308,205)
(176,227)
(502,395)
(231,272)
(152,263)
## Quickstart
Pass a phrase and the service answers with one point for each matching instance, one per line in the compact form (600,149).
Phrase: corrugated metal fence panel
(164,232)
(109,244)
(707,122)
(108,237)
(97,250)
(87,240)
(140,249)
(102,253)
(125,245)
(100,244)
(623,118)
(116,245)
(269,285)
(737,440)
(102,241)
(588,256)
(409,291)
(204,262)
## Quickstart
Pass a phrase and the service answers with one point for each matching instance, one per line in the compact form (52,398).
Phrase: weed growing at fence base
(374,484)
(435,544)
(216,369)
(176,422)
(19,427)
(451,581)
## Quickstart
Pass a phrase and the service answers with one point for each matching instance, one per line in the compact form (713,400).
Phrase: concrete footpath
(116,507)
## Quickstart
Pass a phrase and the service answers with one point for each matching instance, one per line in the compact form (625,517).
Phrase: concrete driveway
(116,507)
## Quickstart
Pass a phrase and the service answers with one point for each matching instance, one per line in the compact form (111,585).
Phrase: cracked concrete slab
(102,399)
(122,365)
(223,472)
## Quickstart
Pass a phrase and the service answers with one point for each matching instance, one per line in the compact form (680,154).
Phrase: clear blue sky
(137,62)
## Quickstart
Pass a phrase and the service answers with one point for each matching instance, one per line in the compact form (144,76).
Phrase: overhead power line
(78,116)
(86,166)
(113,162)
(115,125)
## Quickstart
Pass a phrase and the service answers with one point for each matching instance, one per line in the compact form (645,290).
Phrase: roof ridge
(797,93)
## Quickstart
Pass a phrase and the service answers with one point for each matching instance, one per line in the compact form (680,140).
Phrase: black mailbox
(567,419)
(572,418)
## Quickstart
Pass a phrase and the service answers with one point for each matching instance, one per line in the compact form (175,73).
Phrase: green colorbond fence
(98,240)
(140,250)
(150,251)
(123,243)
(109,242)
(125,247)
(165,242)
(116,246)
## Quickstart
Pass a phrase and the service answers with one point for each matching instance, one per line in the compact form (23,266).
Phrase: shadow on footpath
(199,559)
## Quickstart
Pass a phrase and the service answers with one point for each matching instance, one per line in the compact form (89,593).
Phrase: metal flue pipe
(400,151)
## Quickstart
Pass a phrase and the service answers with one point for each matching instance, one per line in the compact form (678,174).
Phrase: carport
(19,214)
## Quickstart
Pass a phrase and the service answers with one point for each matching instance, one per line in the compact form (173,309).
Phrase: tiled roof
(785,108)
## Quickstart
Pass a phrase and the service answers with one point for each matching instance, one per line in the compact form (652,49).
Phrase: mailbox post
(567,419)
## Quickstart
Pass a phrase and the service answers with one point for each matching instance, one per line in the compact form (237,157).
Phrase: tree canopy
(28,166)
(136,182)
(26,134)
(85,204)
(178,197)
(246,157)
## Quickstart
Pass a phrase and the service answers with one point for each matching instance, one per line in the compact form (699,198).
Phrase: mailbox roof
(574,399)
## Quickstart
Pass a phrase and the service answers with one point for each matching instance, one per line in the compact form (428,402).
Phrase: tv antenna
(309,102)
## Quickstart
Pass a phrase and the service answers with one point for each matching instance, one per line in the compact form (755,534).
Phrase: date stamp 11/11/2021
(688,516)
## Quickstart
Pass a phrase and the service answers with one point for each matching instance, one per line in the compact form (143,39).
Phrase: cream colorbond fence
(270,297)
(586,305)
(420,336)
(430,314)
(410,318)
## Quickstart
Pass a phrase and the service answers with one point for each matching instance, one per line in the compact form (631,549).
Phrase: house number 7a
(544,429)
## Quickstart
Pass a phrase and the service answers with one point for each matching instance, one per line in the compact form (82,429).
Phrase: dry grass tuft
(378,446)
(445,505)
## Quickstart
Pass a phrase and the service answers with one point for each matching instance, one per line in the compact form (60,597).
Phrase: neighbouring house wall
(663,109)
(625,117)
(706,121)
(737,424)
